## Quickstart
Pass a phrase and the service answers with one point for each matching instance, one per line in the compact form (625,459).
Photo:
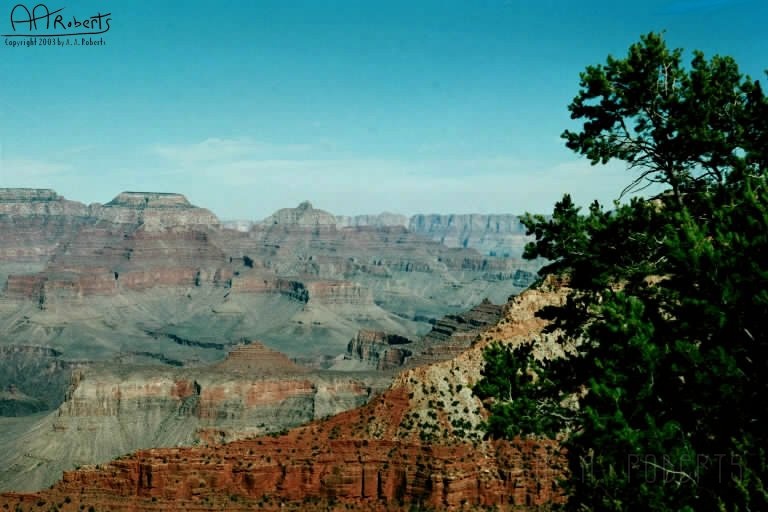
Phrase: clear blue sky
(359,106)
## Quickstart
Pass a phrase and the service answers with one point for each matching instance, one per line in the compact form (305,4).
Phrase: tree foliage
(526,400)
(670,295)
(672,125)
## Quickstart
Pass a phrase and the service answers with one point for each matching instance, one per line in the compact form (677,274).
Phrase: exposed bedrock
(499,235)
(448,337)
(34,221)
(109,411)
(379,350)
(302,215)
(418,445)
(380,220)
(156,211)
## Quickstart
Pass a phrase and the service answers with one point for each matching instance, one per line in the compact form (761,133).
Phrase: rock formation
(34,221)
(449,337)
(379,350)
(498,235)
(380,220)
(109,411)
(154,211)
(32,378)
(303,215)
(150,280)
(492,235)
(419,444)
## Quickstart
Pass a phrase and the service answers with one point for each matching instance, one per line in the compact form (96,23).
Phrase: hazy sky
(359,106)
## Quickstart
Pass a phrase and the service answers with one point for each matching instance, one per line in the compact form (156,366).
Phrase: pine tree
(670,295)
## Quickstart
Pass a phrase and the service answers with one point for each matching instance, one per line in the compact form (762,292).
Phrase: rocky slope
(418,444)
(148,279)
(254,390)
(34,221)
(450,336)
(378,350)
(109,411)
(303,215)
(32,378)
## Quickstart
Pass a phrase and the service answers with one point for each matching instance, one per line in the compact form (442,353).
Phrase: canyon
(109,410)
(131,325)
(149,278)
(417,444)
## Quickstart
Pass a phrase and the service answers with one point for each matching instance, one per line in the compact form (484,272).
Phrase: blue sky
(359,106)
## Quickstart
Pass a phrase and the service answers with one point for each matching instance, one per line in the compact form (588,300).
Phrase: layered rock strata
(449,337)
(109,411)
(418,445)
(379,350)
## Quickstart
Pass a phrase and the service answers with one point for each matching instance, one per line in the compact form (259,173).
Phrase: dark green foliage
(670,296)
(677,126)
(523,402)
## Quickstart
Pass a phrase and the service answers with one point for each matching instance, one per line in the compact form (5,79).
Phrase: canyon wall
(449,337)
(490,234)
(150,278)
(498,235)
(34,221)
(155,211)
(379,350)
(419,444)
(380,220)
(108,411)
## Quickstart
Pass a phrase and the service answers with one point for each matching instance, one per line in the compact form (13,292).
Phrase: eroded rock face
(103,261)
(338,292)
(154,211)
(107,282)
(418,444)
(379,350)
(141,200)
(38,201)
(449,337)
(32,378)
(143,239)
(34,221)
(303,215)
(108,411)
(499,235)
(307,471)
(152,239)
(326,292)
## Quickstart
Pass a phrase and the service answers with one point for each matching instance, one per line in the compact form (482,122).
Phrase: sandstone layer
(417,445)
(109,411)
